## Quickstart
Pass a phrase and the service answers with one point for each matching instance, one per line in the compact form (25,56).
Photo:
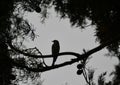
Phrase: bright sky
(71,39)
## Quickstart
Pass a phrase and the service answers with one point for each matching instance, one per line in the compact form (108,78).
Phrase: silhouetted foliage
(13,26)
(116,78)
(104,14)
(6,75)
(101,79)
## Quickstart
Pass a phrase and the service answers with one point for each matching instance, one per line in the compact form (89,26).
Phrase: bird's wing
(55,48)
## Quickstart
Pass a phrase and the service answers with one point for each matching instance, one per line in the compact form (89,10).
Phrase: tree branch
(42,56)
(43,69)
(88,53)
(79,57)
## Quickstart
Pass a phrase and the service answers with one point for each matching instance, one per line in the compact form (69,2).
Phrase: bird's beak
(53,41)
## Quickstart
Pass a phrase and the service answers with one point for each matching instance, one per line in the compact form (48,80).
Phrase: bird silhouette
(55,50)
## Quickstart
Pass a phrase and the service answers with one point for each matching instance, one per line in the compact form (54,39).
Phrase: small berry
(80,66)
(38,9)
(79,72)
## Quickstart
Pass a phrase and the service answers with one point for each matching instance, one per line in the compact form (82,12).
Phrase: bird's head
(55,41)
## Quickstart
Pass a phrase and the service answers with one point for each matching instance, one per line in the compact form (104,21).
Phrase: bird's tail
(54,60)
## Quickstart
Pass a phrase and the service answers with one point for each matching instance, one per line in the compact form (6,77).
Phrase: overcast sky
(71,39)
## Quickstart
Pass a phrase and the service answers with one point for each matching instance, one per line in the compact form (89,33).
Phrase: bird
(55,50)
